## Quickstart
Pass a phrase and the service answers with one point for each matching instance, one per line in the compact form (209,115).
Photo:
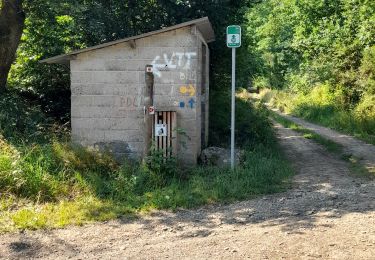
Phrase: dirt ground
(352,146)
(327,214)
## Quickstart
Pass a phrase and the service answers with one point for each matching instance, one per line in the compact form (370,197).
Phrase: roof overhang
(203,25)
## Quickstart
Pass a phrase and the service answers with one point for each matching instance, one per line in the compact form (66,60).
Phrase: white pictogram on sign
(161,130)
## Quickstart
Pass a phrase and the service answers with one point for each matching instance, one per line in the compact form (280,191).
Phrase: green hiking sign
(234,36)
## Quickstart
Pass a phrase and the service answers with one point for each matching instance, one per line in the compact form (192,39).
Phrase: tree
(12,20)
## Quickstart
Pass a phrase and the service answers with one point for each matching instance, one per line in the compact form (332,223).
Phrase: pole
(233,107)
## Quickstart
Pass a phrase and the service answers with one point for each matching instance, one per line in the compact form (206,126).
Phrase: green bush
(327,107)
(321,51)
(365,112)
(366,108)
(367,71)
(65,184)
(252,124)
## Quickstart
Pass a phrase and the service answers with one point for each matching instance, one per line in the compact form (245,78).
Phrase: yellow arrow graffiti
(188,90)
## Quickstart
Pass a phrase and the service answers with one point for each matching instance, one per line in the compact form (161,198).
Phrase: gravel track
(352,146)
(327,214)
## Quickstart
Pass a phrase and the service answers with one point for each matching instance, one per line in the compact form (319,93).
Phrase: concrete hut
(149,87)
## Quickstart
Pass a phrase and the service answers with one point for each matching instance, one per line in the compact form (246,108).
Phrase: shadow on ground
(322,189)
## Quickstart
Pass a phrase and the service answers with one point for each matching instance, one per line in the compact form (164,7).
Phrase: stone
(217,156)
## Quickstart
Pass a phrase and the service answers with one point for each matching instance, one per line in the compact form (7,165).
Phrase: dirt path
(352,146)
(327,214)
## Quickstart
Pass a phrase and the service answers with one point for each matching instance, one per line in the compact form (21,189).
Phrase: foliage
(252,125)
(321,54)
(325,107)
(365,111)
(305,44)
(48,182)
(331,146)
(55,27)
(367,71)
(356,168)
(92,196)
(21,121)
(331,81)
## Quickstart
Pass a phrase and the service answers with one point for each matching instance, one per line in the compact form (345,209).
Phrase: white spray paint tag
(183,61)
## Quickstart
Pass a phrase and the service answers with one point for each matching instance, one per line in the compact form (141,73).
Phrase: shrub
(261,82)
(367,70)
(266,95)
(79,158)
(252,124)
(366,108)
(299,83)
(66,184)
(328,106)
(365,112)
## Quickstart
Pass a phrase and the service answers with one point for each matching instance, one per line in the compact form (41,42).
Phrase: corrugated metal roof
(203,24)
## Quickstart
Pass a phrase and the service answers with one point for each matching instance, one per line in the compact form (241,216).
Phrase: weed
(327,108)
(356,168)
(330,145)
(48,182)
(252,124)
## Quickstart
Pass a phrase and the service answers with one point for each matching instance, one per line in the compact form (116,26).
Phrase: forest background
(315,59)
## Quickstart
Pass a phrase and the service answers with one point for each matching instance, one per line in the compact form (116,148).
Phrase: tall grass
(48,182)
(330,145)
(328,108)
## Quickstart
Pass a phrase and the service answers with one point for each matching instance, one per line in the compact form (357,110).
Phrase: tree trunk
(12,20)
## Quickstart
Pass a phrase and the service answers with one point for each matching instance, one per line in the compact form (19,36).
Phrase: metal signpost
(233,41)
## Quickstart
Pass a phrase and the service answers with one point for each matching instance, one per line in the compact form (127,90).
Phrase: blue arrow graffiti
(191,102)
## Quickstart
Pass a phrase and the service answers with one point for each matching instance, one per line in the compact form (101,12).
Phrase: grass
(58,214)
(44,201)
(330,145)
(323,107)
(356,168)
(46,182)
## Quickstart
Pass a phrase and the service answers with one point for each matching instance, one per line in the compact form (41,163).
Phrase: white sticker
(161,130)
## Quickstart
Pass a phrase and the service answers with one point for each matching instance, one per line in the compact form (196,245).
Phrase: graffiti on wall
(188,75)
(189,90)
(182,63)
(131,102)
(177,60)
(190,103)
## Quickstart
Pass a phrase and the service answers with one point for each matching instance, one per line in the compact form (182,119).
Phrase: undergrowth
(47,182)
(331,146)
(356,168)
(328,108)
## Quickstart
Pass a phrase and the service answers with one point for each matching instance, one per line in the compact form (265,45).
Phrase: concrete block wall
(203,82)
(108,92)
